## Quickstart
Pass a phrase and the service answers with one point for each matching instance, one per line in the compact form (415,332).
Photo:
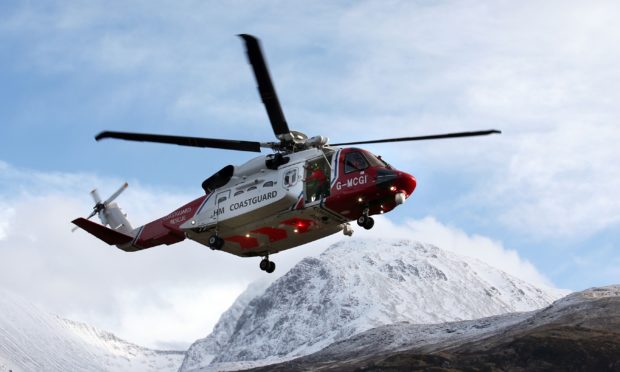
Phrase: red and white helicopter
(306,190)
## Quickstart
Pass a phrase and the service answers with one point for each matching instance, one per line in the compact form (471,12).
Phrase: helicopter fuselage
(261,211)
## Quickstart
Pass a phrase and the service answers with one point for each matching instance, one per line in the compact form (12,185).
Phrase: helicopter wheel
(361,221)
(215,242)
(268,266)
(366,222)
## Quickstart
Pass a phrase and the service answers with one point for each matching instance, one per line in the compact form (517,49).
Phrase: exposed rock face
(580,332)
(358,285)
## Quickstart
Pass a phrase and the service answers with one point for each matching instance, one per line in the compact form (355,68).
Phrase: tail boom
(112,237)
(165,230)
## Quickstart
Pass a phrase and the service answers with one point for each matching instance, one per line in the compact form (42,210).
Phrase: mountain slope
(578,332)
(203,351)
(358,285)
(33,340)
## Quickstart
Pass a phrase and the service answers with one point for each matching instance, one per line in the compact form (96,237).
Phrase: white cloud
(542,73)
(562,183)
(6,214)
(175,315)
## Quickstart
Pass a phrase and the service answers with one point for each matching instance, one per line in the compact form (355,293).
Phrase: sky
(539,201)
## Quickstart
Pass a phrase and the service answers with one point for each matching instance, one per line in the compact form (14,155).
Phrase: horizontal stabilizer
(109,236)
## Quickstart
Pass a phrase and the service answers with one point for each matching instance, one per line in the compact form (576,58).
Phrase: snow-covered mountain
(34,340)
(357,285)
(578,332)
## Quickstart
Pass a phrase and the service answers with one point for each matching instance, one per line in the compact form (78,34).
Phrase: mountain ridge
(580,331)
(34,340)
(356,285)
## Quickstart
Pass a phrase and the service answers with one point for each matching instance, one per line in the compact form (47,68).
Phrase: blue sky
(546,75)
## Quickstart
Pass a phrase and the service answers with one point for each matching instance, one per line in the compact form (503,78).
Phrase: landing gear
(266,265)
(365,220)
(215,242)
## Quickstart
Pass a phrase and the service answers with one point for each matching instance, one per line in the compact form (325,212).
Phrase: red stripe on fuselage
(243,241)
(273,233)
(166,230)
(300,224)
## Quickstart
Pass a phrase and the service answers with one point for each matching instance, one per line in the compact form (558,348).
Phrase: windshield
(376,161)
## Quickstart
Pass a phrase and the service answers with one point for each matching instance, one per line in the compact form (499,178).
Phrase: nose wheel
(266,265)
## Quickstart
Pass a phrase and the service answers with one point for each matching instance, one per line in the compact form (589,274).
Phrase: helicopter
(305,190)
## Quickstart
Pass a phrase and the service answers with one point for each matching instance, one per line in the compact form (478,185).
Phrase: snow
(426,338)
(34,340)
(357,285)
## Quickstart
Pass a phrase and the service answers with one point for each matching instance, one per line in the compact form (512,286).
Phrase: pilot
(358,162)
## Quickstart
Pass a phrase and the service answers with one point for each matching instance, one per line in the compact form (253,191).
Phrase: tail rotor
(101,208)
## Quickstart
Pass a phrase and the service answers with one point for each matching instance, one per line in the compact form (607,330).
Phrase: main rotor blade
(421,138)
(265,85)
(183,141)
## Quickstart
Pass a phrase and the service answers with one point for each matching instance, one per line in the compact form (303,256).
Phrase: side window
(290,177)
(239,192)
(251,188)
(268,184)
(354,161)
(223,196)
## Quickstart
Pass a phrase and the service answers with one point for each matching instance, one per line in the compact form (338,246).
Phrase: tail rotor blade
(116,194)
(95,196)
(94,212)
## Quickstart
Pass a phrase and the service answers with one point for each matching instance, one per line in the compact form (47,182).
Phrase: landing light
(247,235)
(295,231)
(392,188)
(360,199)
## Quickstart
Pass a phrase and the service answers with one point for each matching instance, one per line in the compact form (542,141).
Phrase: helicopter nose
(408,183)
(404,187)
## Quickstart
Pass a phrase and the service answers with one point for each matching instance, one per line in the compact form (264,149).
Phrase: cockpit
(357,160)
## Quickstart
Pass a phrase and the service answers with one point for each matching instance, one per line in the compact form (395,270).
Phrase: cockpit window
(354,161)
(376,161)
